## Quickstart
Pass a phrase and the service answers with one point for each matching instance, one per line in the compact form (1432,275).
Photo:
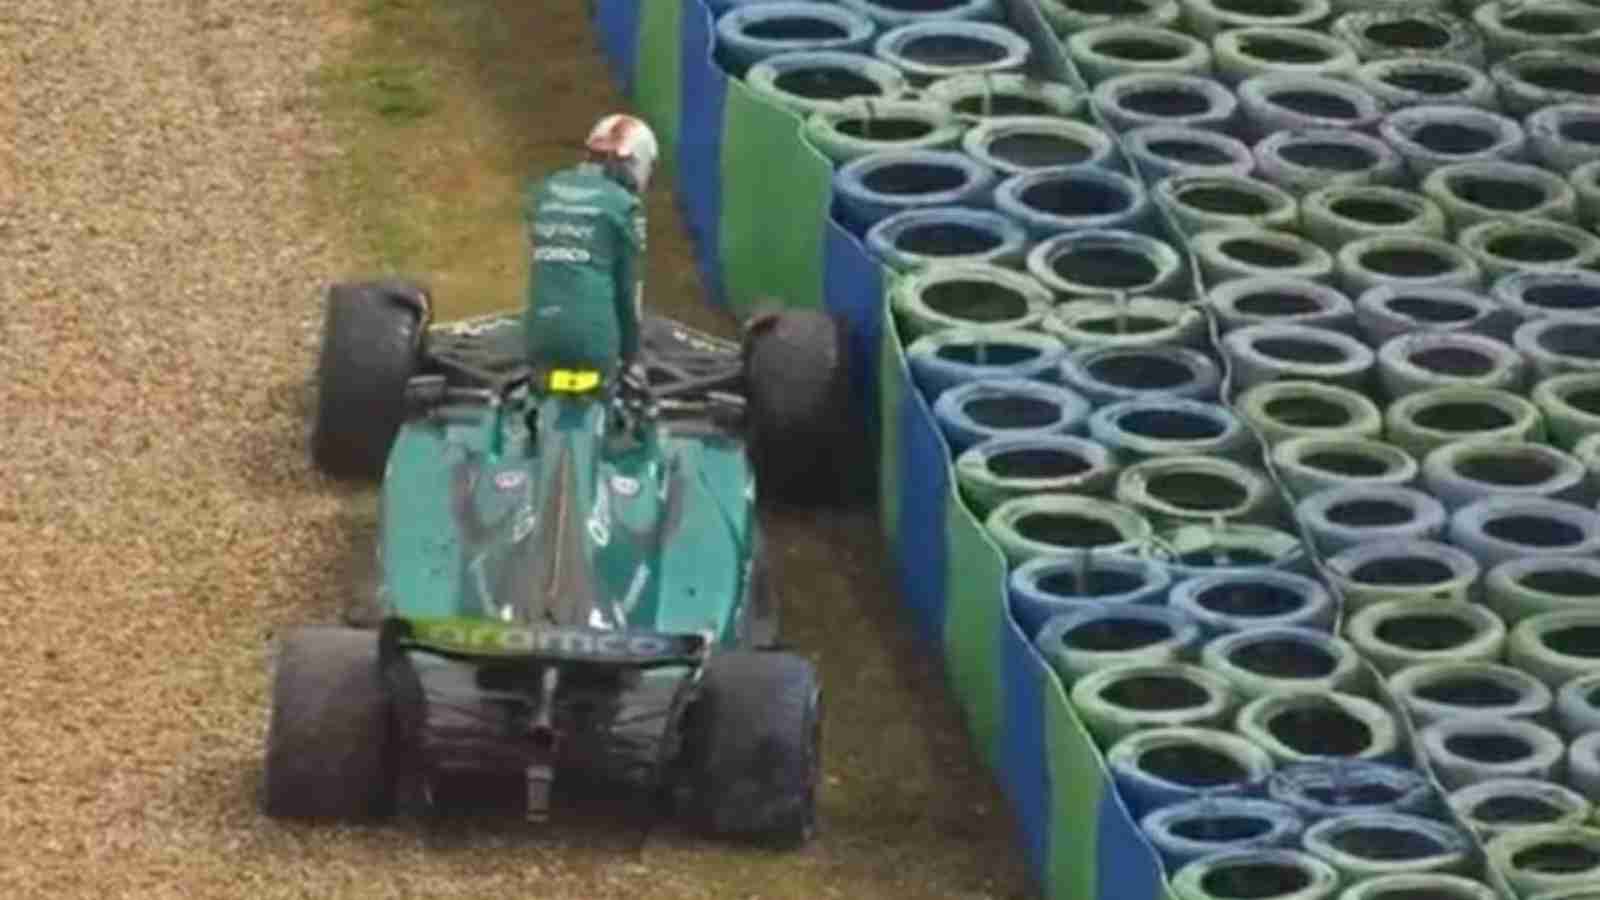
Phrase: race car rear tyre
(799,408)
(329,748)
(371,341)
(754,739)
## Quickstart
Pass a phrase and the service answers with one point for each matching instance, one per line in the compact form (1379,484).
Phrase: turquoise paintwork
(569,524)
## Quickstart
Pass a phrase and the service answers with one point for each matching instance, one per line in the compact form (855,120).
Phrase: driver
(586,226)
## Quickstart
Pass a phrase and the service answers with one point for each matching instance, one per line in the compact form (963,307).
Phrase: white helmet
(627,142)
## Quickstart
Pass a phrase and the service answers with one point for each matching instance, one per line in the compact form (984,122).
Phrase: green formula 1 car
(572,571)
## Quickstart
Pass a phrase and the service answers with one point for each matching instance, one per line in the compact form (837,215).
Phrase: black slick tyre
(371,342)
(754,742)
(330,748)
(799,408)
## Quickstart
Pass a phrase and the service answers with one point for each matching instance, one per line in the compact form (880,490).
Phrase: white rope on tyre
(974,98)
(1170,490)
(779,79)
(1191,551)
(854,128)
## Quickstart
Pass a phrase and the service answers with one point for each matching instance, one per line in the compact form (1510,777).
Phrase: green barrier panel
(772,227)
(659,71)
(974,569)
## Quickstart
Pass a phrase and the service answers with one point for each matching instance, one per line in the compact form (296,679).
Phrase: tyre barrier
(1532,585)
(805,82)
(1226,253)
(1396,634)
(1556,647)
(1572,405)
(1407,262)
(1413,363)
(1090,640)
(1158,98)
(1275,299)
(1578,705)
(1443,367)
(975,98)
(949,357)
(1117,701)
(1586,182)
(961,296)
(1108,51)
(1583,763)
(1306,727)
(855,128)
(1564,136)
(1171,490)
(1000,469)
(1467,750)
(928,51)
(1387,311)
(1537,860)
(1243,53)
(1558,345)
(1510,29)
(1532,295)
(1421,422)
(1161,427)
(1239,875)
(1371,845)
(1097,262)
(1465,472)
(1129,322)
(1054,584)
(1279,410)
(1341,517)
(1207,19)
(1370,575)
(1159,767)
(1006,408)
(1306,159)
(873,187)
(1163,150)
(1069,17)
(1434,691)
(1262,661)
(1399,82)
(1334,788)
(1111,374)
(753,32)
(1230,602)
(1020,145)
(1072,198)
(1499,805)
(1408,34)
(1430,885)
(1308,465)
(1029,527)
(1272,102)
(1540,79)
(1201,202)
(1338,214)
(1279,351)
(1185,832)
(1474,192)
(890,13)
(1428,136)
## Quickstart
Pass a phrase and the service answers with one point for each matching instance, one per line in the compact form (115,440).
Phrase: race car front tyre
(329,749)
(797,374)
(754,740)
(371,340)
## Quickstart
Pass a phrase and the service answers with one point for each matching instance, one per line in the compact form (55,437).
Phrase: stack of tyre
(1389,205)
(1377,202)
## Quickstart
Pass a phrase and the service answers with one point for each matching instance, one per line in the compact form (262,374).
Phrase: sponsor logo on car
(494,638)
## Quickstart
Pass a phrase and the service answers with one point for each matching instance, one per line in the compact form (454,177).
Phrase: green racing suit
(585,290)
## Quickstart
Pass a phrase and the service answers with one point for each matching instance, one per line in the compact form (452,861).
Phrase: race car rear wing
(468,638)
